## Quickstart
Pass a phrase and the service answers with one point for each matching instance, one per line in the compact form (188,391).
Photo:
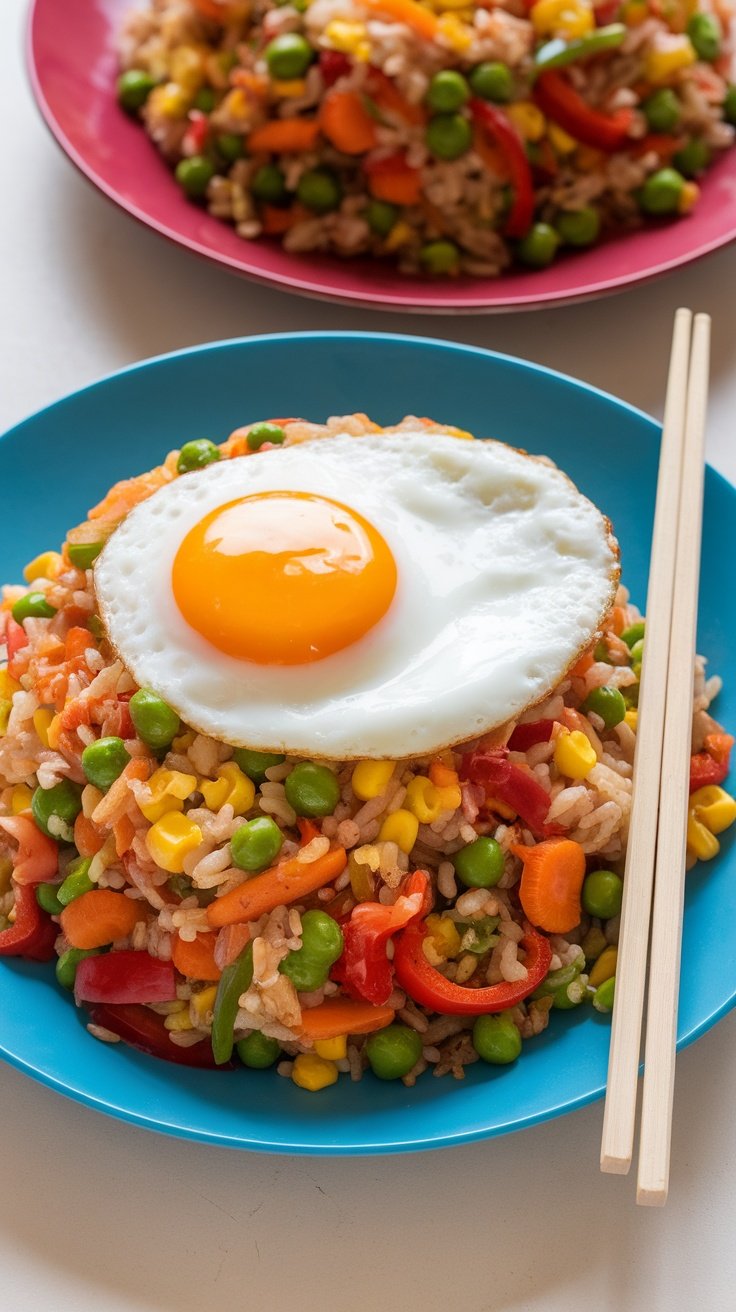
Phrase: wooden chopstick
(617,1143)
(669,884)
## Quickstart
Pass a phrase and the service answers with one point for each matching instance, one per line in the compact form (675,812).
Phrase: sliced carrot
(413,15)
(394,180)
(124,832)
(196,960)
(284,136)
(582,665)
(287,882)
(346,123)
(618,620)
(551,882)
(387,96)
(442,776)
(343,1016)
(307,830)
(87,838)
(275,220)
(100,917)
(77,642)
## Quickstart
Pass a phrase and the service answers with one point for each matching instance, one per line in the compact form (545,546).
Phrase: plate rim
(449,1137)
(403,302)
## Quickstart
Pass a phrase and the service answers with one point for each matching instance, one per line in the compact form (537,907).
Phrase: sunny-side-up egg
(378,596)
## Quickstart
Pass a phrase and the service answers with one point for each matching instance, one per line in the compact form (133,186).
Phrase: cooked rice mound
(434,133)
(65,688)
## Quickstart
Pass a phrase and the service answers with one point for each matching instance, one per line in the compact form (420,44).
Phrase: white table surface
(96,1216)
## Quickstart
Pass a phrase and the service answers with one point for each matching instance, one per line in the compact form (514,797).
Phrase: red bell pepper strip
(429,988)
(333,64)
(559,100)
(125,977)
(712,765)
(364,969)
(144,1030)
(197,132)
(493,120)
(513,786)
(32,934)
(530,735)
(36,859)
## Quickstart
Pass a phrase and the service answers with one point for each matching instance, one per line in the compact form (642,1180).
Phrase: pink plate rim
(156,202)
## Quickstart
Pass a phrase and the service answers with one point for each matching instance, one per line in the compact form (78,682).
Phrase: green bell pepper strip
(558,53)
(236,979)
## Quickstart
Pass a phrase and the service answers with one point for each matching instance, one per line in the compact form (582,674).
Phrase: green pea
(194,175)
(268,184)
(319,190)
(229,146)
(661,192)
(603,891)
(393,1051)
(637,656)
(55,809)
(312,789)
(256,844)
(449,136)
(77,881)
(196,455)
(47,899)
(631,697)
(604,995)
(729,105)
(104,761)
(288,56)
(440,256)
(66,965)
(258,1051)
(154,720)
(322,943)
(83,554)
(448,91)
(496,1039)
(570,995)
(255,764)
(704,31)
(480,864)
(634,633)
(579,227)
(381,217)
(608,704)
(492,81)
(261,433)
(662,110)
(205,99)
(693,158)
(539,246)
(33,606)
(134,88)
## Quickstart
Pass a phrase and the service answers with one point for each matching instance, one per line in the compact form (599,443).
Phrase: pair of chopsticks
(655,858)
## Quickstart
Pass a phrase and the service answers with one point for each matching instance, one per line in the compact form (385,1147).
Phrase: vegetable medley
(219,906)
(449,136)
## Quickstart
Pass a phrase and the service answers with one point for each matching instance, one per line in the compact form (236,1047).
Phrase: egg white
(505,571)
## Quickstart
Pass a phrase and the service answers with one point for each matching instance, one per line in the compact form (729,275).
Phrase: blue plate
(62,460)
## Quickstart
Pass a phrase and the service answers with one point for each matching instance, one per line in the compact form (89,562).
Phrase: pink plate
(73,70)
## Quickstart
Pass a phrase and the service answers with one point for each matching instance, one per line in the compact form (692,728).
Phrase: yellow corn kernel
(714,808)
(332,1049)
(312,1072)
(457,35)
(45,566)
(444,936)
(170,839)
(42,721)
(671,54)
(169,791)
(186,67)
(689,197)
(5,709)
(183,742)
(401,828)
(633,12)
(293,87)
(575,22)
(529,120)
(350,38)
(178,1021)
(567,18)
(400,235)
(361,879)
(20,799)
(202,1003)
(561,140)
(8,686)
(231,787)
(574,754)
(169,101)
(700,841)
(604,968)
(632,718)
(427,802)
(370,778)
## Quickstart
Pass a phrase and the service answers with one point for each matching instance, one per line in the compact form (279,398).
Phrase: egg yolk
(283,578)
